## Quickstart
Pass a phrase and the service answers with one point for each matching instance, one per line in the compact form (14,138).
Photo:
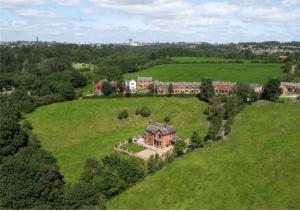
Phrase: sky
(115,21)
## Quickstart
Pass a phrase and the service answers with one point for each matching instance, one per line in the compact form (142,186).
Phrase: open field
(76,130)
(244,72)
(256,168)
(187,59)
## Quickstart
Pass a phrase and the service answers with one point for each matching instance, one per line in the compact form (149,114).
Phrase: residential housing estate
(220,87)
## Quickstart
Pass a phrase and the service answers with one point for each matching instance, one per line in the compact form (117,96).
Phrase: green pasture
(242,72)
(76,130)
(257,167)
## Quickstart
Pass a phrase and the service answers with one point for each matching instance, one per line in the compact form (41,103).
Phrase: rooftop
(164,129)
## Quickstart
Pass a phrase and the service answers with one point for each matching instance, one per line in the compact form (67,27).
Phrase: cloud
(148,20)
(18,3)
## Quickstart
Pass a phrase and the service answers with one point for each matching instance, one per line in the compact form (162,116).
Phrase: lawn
(76,130)
(134,147)
(243,72)
(256,168)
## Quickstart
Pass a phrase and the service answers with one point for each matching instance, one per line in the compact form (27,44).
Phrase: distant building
(256,87)
(289,88)
(223,88)
(178,87)
(160,136)
(144,82)
(98,86)
(131,85)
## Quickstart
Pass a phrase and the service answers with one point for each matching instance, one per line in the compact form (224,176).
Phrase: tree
(170,89)
(232,106)
(154,163)
(83,195)
(31,180)
(227,126)
(65,89)
(179,147)
(145,111)
(206,90)
(196,140)
(151,88)
(106,88)
(216,127)
(272,90)
(244,91)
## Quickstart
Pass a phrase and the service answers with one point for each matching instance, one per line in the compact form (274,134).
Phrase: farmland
(76,130)
(256,168)
(242,72)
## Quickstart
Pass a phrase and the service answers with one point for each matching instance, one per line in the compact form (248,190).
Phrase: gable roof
(164,129)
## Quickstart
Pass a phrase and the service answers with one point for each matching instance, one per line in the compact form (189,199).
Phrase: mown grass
(134,147)
(243,72)
(256,168)
(76,130)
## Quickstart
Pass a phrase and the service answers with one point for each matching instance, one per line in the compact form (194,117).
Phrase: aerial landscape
(149,105)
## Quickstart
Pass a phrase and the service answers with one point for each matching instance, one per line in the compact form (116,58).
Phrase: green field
(243,72)
(134,147)
(76,130)
(187,59)
(256,168)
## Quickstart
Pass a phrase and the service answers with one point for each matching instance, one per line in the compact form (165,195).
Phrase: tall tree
(170,89)
(106,88)
(272,90)
(206,89)
(196,140)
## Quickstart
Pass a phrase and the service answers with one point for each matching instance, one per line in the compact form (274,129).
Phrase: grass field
(76,130)
(134,147)
(244,72)
(256,168)
(187,59)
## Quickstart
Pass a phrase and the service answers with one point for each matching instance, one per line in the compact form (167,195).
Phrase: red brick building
(98,86)
(144,82)
(160,135)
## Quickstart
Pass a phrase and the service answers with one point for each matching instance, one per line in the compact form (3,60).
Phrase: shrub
(179,147)
(130,140)
(137,111)
(167,119)
(123,115)
(27,125)
(145,111)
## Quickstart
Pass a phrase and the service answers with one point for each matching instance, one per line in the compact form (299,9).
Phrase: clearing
(76,130)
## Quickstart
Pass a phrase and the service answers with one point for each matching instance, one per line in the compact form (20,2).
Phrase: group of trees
(222,109)
(29,176)
(102,180)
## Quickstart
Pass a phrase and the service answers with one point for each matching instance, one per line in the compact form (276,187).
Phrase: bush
(27,125)
(49,99)
(130,140)
(167,119)
(137,111)
(145,111)
(123,115)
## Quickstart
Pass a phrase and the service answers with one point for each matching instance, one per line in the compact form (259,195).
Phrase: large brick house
(160,135)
